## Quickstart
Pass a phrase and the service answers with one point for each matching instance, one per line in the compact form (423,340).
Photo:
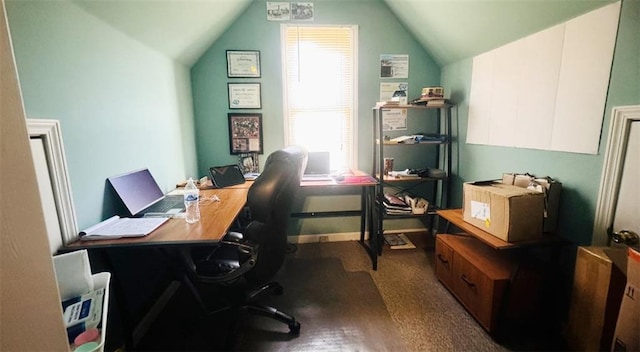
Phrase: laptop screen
(318,163)
(136,189)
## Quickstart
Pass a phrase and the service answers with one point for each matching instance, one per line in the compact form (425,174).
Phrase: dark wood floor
(344,305)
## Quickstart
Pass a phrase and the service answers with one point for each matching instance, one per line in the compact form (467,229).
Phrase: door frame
(614,159)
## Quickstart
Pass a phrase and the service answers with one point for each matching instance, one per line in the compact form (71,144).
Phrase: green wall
(121,105)
(579,173)
(379,33)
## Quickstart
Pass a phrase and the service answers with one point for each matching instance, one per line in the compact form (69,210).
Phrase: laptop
(140,194)
(318,167)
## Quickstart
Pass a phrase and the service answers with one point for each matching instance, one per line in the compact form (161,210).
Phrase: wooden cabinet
(476,275)
(498,282)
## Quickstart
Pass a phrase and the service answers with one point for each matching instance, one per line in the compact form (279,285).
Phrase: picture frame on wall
(243,63)
(244,96)
(245,133)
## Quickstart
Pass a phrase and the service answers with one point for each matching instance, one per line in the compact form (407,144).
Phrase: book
(398,241)
(390,199)
(117,227)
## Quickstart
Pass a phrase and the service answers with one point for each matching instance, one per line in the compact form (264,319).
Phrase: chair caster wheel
(294,329)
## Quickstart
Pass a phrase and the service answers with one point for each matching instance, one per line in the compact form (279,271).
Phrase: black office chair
(243,262)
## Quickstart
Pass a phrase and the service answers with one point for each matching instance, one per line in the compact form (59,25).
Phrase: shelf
(388,179)
(408,216)
(388,143)
(454,216)
(425,107)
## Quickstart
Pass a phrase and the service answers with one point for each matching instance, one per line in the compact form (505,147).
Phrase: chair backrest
(270,200)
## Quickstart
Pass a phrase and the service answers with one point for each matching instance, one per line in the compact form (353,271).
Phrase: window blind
(319,68)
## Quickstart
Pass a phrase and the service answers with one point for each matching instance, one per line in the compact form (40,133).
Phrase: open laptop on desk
(140,194)
(318,167)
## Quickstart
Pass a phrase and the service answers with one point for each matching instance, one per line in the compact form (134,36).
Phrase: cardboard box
(598,283)
(508,212)
(627,334)
(551,190)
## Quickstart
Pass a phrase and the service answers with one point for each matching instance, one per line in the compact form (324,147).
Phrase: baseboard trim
(343,236)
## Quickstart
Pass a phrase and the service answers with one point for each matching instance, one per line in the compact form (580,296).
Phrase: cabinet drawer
(477,292)
(444,263)
(476,274)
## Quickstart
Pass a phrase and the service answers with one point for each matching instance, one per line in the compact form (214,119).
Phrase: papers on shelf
(403,174)
(117,227)
(403,139)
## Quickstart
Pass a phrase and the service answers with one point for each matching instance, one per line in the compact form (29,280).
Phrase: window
(319,79)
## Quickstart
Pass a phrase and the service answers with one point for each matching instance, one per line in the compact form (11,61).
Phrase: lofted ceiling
(451,30)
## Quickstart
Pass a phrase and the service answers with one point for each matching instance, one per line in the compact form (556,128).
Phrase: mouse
(339,178)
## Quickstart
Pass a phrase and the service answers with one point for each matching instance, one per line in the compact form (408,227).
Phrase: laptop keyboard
(167,203)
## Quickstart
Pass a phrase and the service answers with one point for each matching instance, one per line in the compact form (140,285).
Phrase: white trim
(354,122)
(617,139)
(50,133)
(344,236)
(285,94)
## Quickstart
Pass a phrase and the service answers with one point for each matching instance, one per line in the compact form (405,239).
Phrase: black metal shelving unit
(442,138)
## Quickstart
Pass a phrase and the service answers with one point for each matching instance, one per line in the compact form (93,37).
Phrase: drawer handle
(444,261)
(467,281)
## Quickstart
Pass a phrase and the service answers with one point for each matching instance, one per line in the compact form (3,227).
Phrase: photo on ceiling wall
(302,11)
(278,11)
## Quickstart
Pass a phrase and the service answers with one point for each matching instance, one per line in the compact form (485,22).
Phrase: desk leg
(367,223)
(373,230)
(123,309)
(363,212)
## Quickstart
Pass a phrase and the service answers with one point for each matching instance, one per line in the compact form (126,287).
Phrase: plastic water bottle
(191,198)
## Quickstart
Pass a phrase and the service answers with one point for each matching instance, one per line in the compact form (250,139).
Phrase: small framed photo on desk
(245,133)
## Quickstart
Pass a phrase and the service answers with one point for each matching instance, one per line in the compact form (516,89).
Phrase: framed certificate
(243,64)
(245,133)
(244,96)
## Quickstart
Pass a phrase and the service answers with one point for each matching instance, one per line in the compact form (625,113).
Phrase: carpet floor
(342,304)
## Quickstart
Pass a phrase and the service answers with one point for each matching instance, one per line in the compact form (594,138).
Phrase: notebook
(318,167)
(140,194)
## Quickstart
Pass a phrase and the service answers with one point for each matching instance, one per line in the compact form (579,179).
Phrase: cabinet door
(444,263)
(477,292)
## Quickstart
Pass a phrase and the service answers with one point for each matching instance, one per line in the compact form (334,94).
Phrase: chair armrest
(233,236)
(247,248)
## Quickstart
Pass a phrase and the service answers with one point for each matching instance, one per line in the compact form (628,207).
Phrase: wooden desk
(215,219)
(367,185)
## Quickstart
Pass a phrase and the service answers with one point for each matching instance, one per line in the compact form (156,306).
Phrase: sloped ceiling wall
(451,30)
(181,29)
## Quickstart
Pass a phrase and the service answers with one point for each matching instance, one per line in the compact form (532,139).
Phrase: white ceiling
(450,30)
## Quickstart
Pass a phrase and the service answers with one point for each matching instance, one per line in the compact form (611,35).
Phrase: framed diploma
(243,64)
(244,96)
(245,133)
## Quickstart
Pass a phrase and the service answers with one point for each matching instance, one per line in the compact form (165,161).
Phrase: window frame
(352,155)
